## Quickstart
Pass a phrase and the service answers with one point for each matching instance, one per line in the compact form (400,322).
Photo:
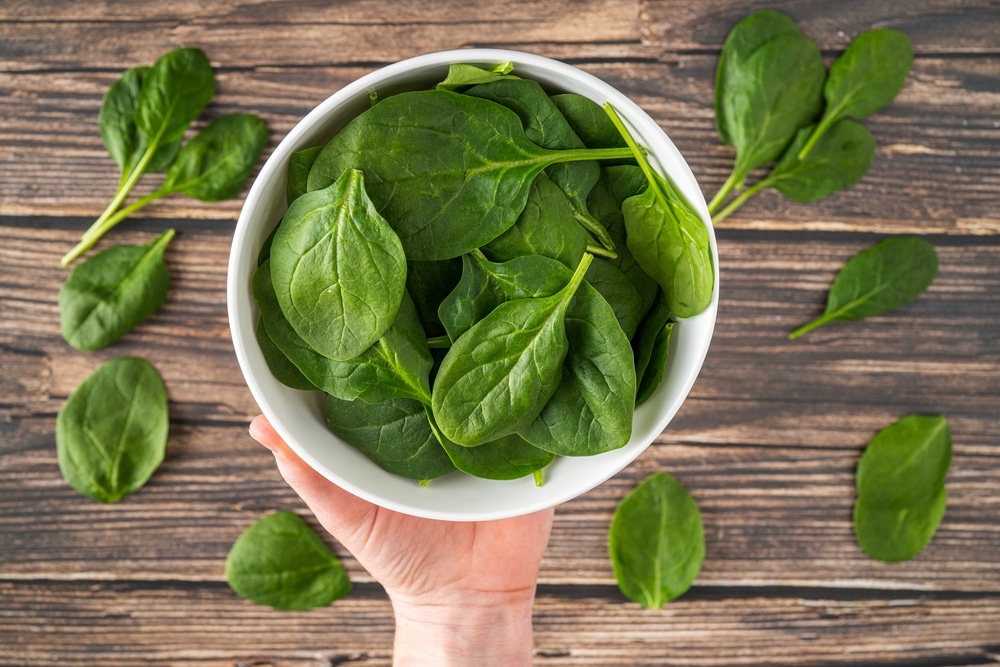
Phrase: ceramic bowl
(298,416)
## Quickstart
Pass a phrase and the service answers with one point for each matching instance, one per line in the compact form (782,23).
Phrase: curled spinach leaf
(281,367)
(111,434)
(619,292)
(338,269)
(280,562)
(299,165)
(656,541)
(888,275)
(106,296)
(461,75)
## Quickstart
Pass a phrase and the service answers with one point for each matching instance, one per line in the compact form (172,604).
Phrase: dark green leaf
(886,276)
(905,463)
(462,74)
(656,541)
(646,335)
(125,143)
(338,269)
(280,366)
(280,562)
(653,373)
(175,90)
(744,40)
(299,165)
(429,283)
(509,457)
(840,159)
(436,160)
(111,434)
(216,163)
(397,366)
(589,122)
(498,375)
(619,292)
(106,296)
(394,434)
(898,534)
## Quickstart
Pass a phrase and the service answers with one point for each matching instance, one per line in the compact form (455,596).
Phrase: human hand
(461,592)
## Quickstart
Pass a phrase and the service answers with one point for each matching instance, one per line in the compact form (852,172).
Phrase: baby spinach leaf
(840,159)
(436,160)
(111,434)
(299,165)
(280,562)
(106,296)
(591,409)
(745,38)
(653,373)
(545,227)
(906,462)
(656,541)
(394,434)
(886,276)
(217,162)
(498,375)
(589,122)
(897,534)
(646,335)
(866,77)
(429,283)
(509,457)
(338,269)
(280,366)
(397,366)
(619,292)
(462,74)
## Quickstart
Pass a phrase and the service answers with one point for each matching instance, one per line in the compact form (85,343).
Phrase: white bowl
(298,416)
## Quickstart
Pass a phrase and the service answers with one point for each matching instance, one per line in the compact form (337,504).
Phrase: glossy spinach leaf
(545,125)
(591,409)
(745,38)
(509,457)
(217,162)
(653,373)
(648,332)
(435,161)
(280,366)
(428,284)
(589,122)
(111,434)
(618,291)
(394,434)
(338,269)
(866,77)
(545,227)
(125,143)
(897,534)
(280,562)
(106,296)
(397,366)
(299,165)
(461,75)
(840,159)
(906,462)
(656,541)
(886,276)
(498,375)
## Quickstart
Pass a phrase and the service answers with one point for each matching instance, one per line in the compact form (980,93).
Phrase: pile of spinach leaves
(480,277)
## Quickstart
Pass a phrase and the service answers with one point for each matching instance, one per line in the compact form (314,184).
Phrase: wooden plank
(936,176)
(170,623)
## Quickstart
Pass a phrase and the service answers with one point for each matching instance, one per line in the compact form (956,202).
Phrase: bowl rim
(695,332)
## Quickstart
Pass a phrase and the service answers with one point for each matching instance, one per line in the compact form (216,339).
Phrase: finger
(340,512)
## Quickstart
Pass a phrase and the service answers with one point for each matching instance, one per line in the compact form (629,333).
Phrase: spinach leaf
(893,534)
(745,38)
(619,292)
(394,434)
(106,296)
(589,122)
(299,165)
(646,335)
(281,367)
(545,227)
(906,462)
(653,373)
(509,457)
(429,283)
(886,276)
(498,375)
(280,562)
(111,434)
(462,74)
(545,125)
(436,160)
(901,487)
(866,77)
(217,162)
(618,183)
(591,409)
(338,269)
(656,541)
(172,94)
(397,366)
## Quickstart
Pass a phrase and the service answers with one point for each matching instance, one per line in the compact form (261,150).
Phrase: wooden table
(767,442)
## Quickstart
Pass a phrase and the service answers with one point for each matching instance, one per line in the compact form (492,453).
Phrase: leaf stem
(601,251)
(740,200)
(440,342)
(574,154)
(826,318)
(723,192)
(103,224)
(539,478)
(817,133)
